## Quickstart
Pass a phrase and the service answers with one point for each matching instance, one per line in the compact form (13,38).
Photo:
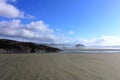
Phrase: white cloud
(101,41)
(2,0)
(9,11)
(71,32)
(30,17)
(13,0)
(35,31)
(39,26)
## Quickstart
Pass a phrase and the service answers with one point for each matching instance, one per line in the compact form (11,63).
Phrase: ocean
(91,49)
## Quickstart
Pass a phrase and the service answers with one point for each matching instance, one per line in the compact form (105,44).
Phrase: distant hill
(79,45)
(8,46)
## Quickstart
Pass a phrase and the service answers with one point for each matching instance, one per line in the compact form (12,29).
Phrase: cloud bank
(101,41)
(40,32)
(35,31)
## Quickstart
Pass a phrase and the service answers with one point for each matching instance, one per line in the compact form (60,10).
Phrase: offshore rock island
(12,46)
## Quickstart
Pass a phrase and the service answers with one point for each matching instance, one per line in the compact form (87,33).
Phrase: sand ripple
(60,67)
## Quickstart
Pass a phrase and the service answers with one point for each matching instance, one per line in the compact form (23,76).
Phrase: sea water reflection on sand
(92,49)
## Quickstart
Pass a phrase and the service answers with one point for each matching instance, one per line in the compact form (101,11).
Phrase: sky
(89,22)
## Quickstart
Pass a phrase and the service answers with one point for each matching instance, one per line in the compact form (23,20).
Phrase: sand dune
(60,66)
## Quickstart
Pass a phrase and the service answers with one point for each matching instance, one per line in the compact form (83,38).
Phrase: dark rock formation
(79,45)
(24,47)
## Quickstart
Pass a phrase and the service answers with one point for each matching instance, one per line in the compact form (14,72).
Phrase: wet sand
(60,66)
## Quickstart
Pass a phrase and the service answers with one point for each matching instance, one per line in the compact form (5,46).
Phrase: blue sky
(91,22)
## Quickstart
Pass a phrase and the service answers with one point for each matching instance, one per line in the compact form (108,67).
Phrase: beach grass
(60,66)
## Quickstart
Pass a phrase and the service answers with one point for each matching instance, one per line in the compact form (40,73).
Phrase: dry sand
(60,66)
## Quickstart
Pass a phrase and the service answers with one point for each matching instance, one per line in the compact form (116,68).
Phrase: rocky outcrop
(79,45)
(24,47)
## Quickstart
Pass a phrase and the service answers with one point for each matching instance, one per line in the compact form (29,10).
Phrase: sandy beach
(60,66)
